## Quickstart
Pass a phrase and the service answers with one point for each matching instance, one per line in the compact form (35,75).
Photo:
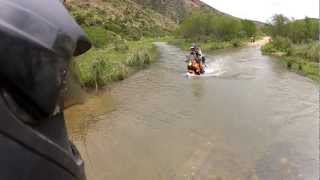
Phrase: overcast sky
(262,10)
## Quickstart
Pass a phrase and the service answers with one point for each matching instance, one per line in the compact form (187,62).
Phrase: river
(251,120)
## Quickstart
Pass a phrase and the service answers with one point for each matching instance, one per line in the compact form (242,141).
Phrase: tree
(279,23)
(202,26)
(249,27)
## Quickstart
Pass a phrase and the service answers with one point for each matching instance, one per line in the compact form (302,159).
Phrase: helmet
(38,39)
(193,47)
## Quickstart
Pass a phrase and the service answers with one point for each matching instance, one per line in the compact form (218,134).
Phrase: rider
(200,55)
(193,51)
(196,53)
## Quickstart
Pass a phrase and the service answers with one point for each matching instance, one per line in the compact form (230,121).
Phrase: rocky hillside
(177,9)
(124,17)
(133,19)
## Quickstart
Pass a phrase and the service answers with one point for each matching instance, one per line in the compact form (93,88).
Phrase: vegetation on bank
(214,31)
(112,58)
(207,46)
(297,43)
(121,33)
(126,18)
(100,66)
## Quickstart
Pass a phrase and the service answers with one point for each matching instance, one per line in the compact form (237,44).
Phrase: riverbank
(101,66)
(122,35)
(216,45)
(208,46)
(300,58)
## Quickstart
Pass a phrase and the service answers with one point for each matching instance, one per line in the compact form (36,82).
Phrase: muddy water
(250,119)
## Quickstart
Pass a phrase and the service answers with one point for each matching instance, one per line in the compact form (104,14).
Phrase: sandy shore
(260,42)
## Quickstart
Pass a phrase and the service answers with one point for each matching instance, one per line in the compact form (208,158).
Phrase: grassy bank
(301,58)
(296,42)
(100,66)
(122,33)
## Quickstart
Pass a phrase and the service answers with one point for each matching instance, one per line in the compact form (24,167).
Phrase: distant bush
(102,38)
(249,28)
(303,66)
(297,42)
(133,26)
(278,44)
(206,26)
(282,44)
(87,16)
(236,42)
(309,51)
(298,31)
(269,48)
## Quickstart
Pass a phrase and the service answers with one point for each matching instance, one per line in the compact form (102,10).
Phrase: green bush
(102,38)
(297,40)
(236,42)
(298,31)
(86,16)
(98,36)
(133,59)
(206,46)
(269,48)
(121,45)
(305,67)
(313,52)
(97,70)
(201,26)
(133,26)
(249,28)
(118,72)
(139,58)
(309,51)
(100,66)
(282,44)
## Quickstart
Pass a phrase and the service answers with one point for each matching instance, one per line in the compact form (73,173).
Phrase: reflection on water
(80,117)
(253,120)
(197,89)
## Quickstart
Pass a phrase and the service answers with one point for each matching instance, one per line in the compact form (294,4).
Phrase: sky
(263,10)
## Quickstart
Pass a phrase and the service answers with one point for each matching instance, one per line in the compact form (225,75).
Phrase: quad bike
(195,66)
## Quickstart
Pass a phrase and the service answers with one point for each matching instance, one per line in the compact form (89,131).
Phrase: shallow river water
(251,119)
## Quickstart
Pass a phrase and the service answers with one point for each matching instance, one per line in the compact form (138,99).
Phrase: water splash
(212,69)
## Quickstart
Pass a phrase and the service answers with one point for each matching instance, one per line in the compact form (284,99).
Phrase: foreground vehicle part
(38,40)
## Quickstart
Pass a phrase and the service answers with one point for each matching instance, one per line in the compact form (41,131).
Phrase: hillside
(134,19)
(177,9)
(124,17)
